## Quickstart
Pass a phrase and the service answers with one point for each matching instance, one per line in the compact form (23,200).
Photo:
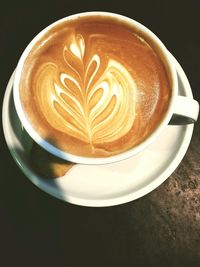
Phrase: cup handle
(186,111)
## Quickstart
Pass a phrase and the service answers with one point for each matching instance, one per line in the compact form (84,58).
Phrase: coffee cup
(98,87)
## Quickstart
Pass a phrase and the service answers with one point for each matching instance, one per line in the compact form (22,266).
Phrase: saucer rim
(33,177)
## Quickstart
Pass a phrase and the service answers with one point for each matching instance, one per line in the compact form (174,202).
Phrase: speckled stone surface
(175,211)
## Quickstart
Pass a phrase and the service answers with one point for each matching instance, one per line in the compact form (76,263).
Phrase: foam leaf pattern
(91,104)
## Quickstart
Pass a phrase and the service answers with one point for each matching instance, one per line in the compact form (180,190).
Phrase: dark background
(160,229)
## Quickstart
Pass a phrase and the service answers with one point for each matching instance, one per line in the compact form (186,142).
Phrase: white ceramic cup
(183,109)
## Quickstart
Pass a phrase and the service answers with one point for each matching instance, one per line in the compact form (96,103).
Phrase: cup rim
(96,160)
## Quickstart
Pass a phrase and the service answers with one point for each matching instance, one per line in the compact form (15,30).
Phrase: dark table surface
(160,229)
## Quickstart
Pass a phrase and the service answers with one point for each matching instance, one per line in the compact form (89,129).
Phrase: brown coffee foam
(110,41)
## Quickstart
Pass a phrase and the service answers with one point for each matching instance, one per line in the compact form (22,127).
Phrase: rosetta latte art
(90,101)
(93,86)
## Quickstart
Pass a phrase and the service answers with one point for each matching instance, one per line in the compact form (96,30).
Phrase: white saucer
(104,185)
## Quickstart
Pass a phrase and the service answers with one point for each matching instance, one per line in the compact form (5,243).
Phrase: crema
(93,86)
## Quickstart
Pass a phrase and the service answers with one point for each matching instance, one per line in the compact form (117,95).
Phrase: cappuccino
(94,86)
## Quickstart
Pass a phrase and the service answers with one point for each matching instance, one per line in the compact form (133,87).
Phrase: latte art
(94,88)
(92,110)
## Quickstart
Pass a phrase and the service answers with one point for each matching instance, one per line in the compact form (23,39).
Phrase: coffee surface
(94,87)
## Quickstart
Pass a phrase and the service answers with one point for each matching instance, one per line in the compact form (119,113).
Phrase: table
(160,229)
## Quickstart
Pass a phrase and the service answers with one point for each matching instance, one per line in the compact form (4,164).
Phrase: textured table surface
(160,229)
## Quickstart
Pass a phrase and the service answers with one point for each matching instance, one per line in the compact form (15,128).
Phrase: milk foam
(113,113)
(94,88)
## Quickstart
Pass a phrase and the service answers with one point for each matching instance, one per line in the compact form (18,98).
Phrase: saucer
(109,184)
